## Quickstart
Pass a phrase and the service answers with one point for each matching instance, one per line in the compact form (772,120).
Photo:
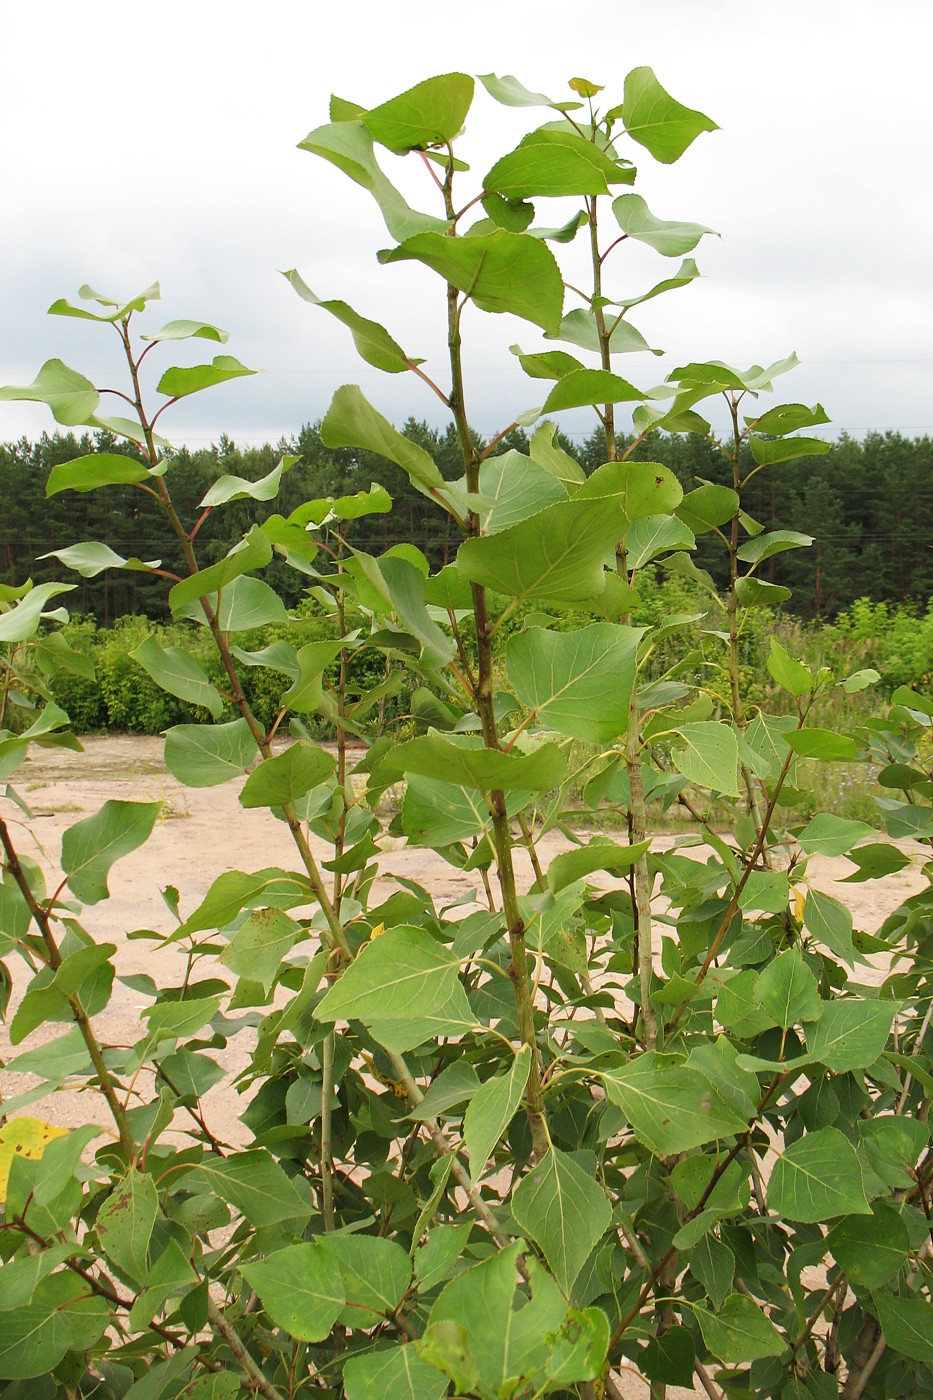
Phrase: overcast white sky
(144,141)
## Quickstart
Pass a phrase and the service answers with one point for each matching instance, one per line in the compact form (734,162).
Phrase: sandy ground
(200,834)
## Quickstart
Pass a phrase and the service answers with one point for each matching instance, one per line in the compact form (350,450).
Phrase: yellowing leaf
(584,87)
(24,1137)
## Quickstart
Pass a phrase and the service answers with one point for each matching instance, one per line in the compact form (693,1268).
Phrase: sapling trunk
(483,699)
(340,835)
(327,1145)
(752,790)
(638,820)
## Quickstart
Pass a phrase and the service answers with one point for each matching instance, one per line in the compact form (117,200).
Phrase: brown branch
(256,1379)
(101,1288)
(446,1149)
(42,921)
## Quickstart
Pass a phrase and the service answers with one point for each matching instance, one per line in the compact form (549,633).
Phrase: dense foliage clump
(644,1103)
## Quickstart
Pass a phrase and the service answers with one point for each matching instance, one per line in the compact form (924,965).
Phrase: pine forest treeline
(868,504)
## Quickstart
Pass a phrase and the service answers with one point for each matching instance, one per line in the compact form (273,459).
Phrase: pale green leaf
(601,853)
(818,1177)
(376,1274)
(553,164)
(429,114)
(876,860)
(498,271)
(243,604)
(352,422)
(252,552)
(349,146)
(97,469)
(173,1020)
(851,1033)
(189,330)
(687,272)
(707,507)
(237,488)
(558,554)
(125,1221)
(788,990)
(545,451)
(764,546)
(90,847)
(656,121)
(551,364)
(580,327)
(739,1331)
(116,310)
(287,776)
(301,1289)
(579,683)
(436,813)
(893,1144)
(768,451)
(71,397)
(790,674)
(20,622)
(715,376)
(582,387)
(63,1315)
(179,381)
(642,488)
(170,1273)
(65,1055)
(255,1185)
(373,342)
(402,974)
(512,488)
(511,93)
(870,1248)
(396,1371)
(787,418)
(653,535)
(671,1108)
(203,755)
(830,923)
(753,592)
(563,1209)
(179,674)
(522,1350)
(823,744)
(306,692)
(375,501)
(446,760)
(452,1087)
(708,754)
(406,586)
(438,1257)
(259,945)
(91,559)
(491,1110)
(235,890)
(669,238)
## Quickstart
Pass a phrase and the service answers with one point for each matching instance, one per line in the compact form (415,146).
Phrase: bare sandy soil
(200,834)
